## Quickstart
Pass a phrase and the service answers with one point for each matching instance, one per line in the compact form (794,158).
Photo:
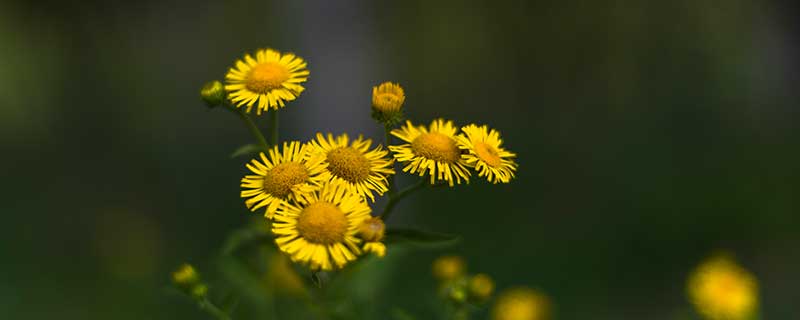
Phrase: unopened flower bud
(372,229)
(213,93)
(446,268)
(387,103)
(480,287)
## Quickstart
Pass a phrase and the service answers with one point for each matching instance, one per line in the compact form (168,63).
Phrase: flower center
(323,223)
(488,154)
(280,179)
(349,164)
(436,146)
(266,76)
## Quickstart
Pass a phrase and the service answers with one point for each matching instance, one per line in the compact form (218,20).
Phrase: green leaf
(420,237)
(229,303)
(246,150)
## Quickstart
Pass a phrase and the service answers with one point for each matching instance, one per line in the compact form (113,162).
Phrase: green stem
(394,198)
(387,139)
(248,122)
(273,127)
(213,310)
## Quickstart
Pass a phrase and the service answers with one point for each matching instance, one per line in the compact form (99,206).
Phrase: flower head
(321,230)
(521,304)
(446,268)
(486,154)
(480,287)
(266,81)
(286,175)
(387,103)
(433,151)
(721,289)
(372,231)
(362,170)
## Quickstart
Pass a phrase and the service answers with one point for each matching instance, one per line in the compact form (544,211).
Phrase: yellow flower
(481,287)
(720,289)
(362,170)
(448,268)
(521,304)
(387,103)
(486,155)
(372,231)
(321,230)
(266,81)
(286,175)
(433,150)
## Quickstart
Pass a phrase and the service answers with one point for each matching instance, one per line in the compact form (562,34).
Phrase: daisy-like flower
(433,151)
(286,175)
(722,290)
(486,154)
(321,231)
(266,81)
(362,170)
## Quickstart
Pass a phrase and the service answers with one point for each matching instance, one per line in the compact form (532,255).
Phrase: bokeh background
(650,134)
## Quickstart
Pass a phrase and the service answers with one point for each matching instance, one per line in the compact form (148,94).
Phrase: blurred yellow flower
(433,151)
(722,290)
(266,81)
(486,154)
(288,174)
(185,275)
(446,268)
(481,287)
(521,304)
(321,229)
(372,231)
(362,170)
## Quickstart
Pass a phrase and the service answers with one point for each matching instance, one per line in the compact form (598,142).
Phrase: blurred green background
(649,133)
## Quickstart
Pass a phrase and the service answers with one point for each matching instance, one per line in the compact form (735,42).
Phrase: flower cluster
(318,193)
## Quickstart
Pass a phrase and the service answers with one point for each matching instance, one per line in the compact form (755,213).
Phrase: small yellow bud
(185,276)
(457,294)
(480,287)
(372,229)
(199,291)
(188,281)
(387,103)
(213,93)
(446,268)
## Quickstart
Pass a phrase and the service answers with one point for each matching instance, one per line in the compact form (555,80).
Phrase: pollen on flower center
(349,164)
(279,180)
(323,223)
(488,154)
(436,146)
(266,76)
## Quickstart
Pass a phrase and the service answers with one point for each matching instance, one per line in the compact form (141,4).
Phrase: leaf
(420,237)
(229,303)
(246,150)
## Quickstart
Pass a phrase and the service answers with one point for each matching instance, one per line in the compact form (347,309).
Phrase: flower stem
(394,198)
(248,122)
(387,139)
(273,127)
(207,306)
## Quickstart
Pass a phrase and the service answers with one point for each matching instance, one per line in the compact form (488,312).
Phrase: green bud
(213,93)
